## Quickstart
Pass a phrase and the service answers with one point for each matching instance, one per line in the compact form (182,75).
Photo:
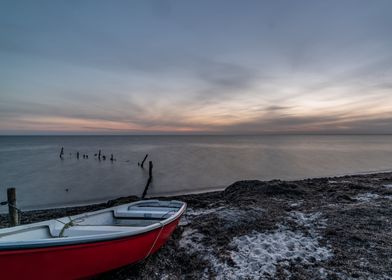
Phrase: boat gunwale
(81,240)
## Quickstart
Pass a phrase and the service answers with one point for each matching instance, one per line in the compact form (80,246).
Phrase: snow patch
(297,204)
(367,197)
(308,220)
(203,211)
(191,240)
(260,253)
(388,186)
(257,254)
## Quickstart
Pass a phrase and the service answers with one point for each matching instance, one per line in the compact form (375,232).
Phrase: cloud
(225,76)
(312,124)
(275,108)
(221,67)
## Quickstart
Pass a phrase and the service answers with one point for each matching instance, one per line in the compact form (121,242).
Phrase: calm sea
(182,164)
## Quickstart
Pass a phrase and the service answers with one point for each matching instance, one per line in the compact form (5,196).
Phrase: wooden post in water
(141,165)
(150,169)
(62,152)
(149,179)
(12,210)
(99,155)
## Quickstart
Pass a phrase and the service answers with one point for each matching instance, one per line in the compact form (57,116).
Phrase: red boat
(85,245)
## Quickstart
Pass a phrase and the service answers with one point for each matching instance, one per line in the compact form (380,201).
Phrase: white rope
(71,223)
(156,239)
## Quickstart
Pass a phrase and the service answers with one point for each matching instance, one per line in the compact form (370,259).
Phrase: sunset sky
(208,67)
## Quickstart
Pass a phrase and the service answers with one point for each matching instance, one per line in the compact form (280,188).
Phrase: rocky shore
(324,228)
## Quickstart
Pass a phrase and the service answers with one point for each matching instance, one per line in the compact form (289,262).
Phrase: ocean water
(182,164)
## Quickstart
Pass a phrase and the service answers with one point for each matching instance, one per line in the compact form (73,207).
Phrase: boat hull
(82,260)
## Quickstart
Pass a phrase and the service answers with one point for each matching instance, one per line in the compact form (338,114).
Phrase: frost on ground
(308,220)
(296,204)
(367,197)
(197,212)
(194,213)
(226,215)
(191,239)
(258,254)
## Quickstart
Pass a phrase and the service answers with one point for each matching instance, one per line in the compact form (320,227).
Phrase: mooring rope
(159,234)
(16,208)
(155,241)
(71,223)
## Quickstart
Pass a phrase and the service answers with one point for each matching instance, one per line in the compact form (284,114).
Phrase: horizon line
(200,134)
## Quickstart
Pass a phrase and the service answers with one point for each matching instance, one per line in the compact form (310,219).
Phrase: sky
(195,67)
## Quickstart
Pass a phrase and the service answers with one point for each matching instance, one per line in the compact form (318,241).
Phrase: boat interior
(123,218)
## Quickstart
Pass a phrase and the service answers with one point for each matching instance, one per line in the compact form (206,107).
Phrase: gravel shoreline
(324,228)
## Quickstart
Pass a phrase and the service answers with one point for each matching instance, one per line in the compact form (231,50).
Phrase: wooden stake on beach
(149,179)
(12,210)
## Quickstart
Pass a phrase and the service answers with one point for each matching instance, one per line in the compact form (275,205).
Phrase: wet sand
(324,228)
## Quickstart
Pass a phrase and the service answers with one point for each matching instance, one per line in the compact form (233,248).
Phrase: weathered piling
(77,155)
(12,210)
(150,169)
(142,164)
(149,179)
(99,154)
(62,152)
(111,157)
